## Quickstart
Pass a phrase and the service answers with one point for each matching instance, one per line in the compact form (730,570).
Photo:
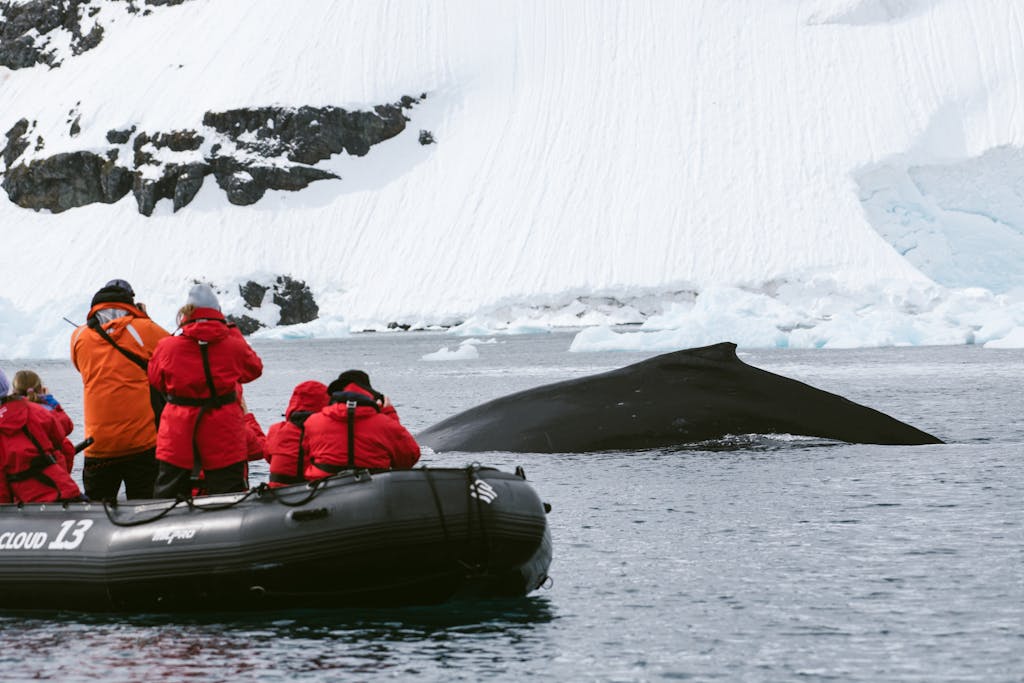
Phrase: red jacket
(287,465)
(176,369)
(255,439)
(67,427)
(381,442)
(19,456)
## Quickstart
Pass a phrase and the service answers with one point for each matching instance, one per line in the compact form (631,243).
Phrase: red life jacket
(285,450)
(33,453)
(344,435)
(203,426)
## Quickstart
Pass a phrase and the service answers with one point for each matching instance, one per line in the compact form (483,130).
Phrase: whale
(683,397)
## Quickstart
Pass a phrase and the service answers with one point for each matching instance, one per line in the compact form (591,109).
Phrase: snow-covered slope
(593,162)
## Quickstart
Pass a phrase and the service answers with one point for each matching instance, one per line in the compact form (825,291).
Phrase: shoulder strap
(298,418)
(35,442)
(94,324)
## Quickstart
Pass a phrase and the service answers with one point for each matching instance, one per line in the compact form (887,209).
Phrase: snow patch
(867,12)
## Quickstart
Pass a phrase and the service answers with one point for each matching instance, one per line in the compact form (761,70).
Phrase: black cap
(113,294)
(357,377)
(123,284)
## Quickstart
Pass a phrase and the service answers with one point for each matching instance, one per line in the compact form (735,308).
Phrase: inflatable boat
(407,537)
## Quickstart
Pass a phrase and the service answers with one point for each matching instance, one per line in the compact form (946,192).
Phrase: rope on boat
(437,504)
(107,508)
(315,487)
(314,491)
(472,481)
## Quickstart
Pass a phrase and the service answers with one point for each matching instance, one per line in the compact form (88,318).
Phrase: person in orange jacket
(284,439)
(33,451)
(203,429)
(111,351)
(359,428)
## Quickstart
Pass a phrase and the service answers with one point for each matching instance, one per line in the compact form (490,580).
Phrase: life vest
(297,418)
(46,468)
(352,400)
(205,404)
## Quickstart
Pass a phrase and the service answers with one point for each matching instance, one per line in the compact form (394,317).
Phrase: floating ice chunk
(462,352)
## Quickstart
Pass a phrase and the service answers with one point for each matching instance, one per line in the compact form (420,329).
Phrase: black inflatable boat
(391,538)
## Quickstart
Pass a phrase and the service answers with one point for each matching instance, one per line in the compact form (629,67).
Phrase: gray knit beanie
(202,296)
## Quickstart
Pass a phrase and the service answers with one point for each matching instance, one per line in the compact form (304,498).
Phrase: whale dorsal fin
(722,352)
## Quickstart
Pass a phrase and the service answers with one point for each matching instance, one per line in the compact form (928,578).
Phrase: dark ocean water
(756,559)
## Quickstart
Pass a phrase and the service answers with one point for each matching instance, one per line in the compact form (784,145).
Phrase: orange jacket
(118,412)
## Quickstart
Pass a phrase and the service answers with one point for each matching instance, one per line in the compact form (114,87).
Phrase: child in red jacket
(285,452)
(28,384)
(33,451)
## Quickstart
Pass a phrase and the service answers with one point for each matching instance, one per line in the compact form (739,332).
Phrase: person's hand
(241,402)
(384,402)
(141,306)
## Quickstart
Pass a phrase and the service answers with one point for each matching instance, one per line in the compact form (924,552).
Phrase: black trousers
(102,477)
(176,482)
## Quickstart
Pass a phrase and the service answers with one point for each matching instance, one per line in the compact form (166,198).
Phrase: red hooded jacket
(287,458)
(176,369)
(40,477)
(381,442)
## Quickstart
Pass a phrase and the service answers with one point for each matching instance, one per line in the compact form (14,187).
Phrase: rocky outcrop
(65,181)
(292,297)
(17,142)
(295,300)
(246,183)
(29,31)
(309,134)
(248,151)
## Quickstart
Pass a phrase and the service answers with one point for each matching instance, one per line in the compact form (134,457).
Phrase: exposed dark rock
(305,136)
(21,21)
(17,142)
(178,140)
(190,180)
(65,181)
(141,158)
(25,28)
(296,301)
(398,326)
(177,182)
(75,127)
(119,137)
(245,324)
(308,134)
(292,297)
(426,137)
(246,183)
(252,293)
(236,181)
(88,41)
